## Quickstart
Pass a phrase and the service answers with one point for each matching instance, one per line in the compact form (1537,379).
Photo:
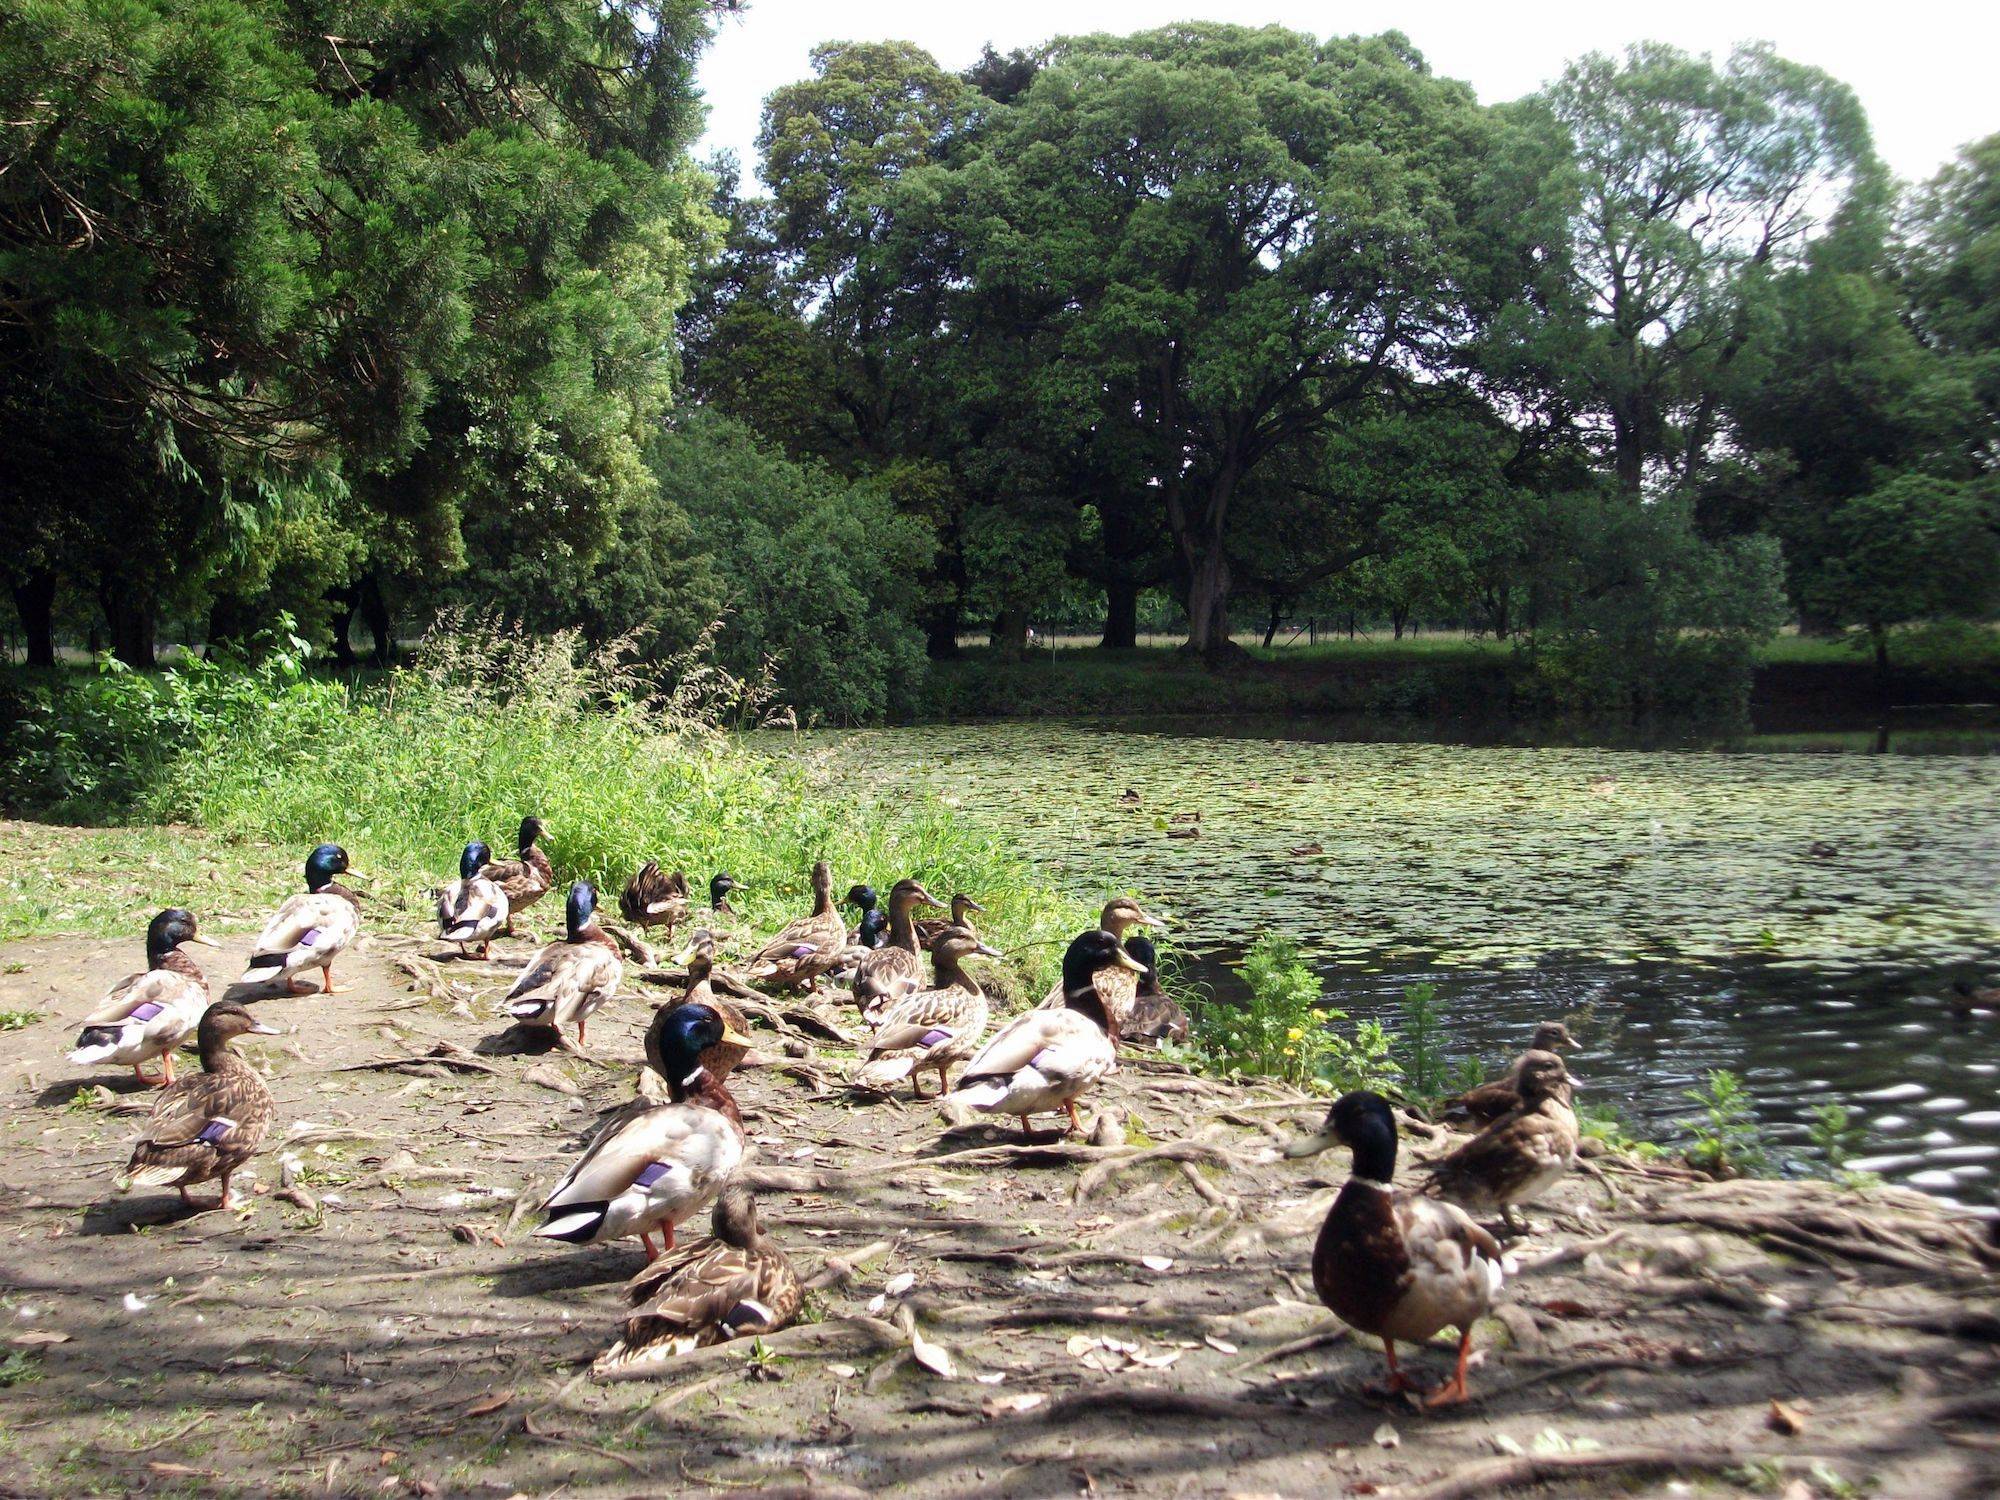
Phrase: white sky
(1925,70)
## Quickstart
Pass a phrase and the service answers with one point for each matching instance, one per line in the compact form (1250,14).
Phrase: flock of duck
(1398,1264)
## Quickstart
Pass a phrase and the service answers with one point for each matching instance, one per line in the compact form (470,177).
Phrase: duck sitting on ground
(150,1014)
(806,948)
(1120,915)
(873,923)
(1046,1060)
(650,1170)
(888,973)
(654,898)
(1393,1264)
(1156,1015)
(1490,1101)
(472,909)
(932,1028)
(568,980)
(1521,1155)
(526,878)
(209,1123)
(962,908)
(736,1284)
(310,931)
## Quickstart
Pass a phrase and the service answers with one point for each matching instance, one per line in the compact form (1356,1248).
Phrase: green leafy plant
(1727,1141)
(1284,1030)
(1427,1073)
(1602,1122)
(15,1020)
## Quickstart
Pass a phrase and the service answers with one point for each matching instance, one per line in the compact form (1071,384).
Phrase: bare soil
(1131,1316)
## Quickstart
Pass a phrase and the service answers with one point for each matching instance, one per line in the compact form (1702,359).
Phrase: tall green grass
(487,726)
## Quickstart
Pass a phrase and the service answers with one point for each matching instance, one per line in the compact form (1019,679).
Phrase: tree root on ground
(801,1341)
(1490,1476)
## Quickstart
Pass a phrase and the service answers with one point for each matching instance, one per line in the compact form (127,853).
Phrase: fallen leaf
(547,1077)
(1387,1437)
(1080,1344)
(995,1406)
(40,1336)
(1156,1361)
(876,1303)
(1223,1345)
(900,1283)
(992,1377)
(1157,1262)
(1507,1445)
(1788,1421)
(842,1372)
(933,1357)
(491,1401)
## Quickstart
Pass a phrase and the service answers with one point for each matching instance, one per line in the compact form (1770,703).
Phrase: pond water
(1798,919)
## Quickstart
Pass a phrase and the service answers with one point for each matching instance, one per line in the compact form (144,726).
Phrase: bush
(1727,1141)
(1283,1031)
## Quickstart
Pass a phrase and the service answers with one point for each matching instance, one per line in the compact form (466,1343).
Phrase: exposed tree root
(1491,1476)
(803,1340)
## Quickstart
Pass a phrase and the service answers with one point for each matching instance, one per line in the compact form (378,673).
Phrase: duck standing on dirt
(660,1166)
(149,1015)
(808,947)
(568,980)
(655,898)
(1046,1060)
(737,1284)
(209,1123)
(962,908)
(888,973)
(526,878)
(1490,1101)
(308,932)
(1394,1264)
(1121,914)
(472,909)
(932,1028)
(1521,1155)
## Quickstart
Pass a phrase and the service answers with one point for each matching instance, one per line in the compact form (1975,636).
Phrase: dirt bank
(1131,1317)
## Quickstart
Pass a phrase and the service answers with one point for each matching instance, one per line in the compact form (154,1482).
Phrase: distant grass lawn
(110,881)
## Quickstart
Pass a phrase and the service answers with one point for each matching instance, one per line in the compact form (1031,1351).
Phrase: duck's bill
(1311,1145)
(355,875)
(206,942)
(987,952)
(731,1034)
(928,899)
(1127,961)
(1147,919)
(260,1029)
(974,906)
(683,958)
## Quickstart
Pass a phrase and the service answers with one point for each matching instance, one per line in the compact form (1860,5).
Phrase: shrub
(1284,1031)
(1727,1141)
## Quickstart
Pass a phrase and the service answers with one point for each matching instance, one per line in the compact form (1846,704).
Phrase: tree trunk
(1880,636)
(1398,618)
(1271,624)
(1121,615)
(381,625)
(231,621)
(1010,632)
(35,602)
(128,614)
(1208,603)
(1628,454)
(345,601)
(941,632)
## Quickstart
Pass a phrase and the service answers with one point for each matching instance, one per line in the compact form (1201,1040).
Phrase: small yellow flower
(1289,1052)
(1294,1034)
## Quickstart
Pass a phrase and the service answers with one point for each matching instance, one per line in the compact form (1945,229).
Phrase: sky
(1924,70)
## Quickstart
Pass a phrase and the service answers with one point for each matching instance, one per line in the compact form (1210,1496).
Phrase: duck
(962,908)
(1521,1155)
(206,1125)
(888,973)
(722,1058)
(570,978)
(310,931)
(1397,1265)
(1966,997)
(736,1284)
(150,1014)
(1045,1060)
(654,898)
(807,948)
(652,1169)
(1490,1101)
(526,878)
(472,909)
(931,1028)
(1120,915)
(873,924)
(720,886)
(1156,1015)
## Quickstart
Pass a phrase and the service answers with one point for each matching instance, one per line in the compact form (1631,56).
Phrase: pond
(1798,919)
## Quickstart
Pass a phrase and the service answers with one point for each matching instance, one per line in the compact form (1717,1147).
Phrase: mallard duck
(653,898)
(806,948)
(1966,997)
(472,909)
(208,1124)
(734,1285)
(310,931)
(569,979)
(888,973)
(721,1058)
(962,908)
(1490,1101)
(873,924)
(1045,1060)
(149,1015)
(1120,915)
(660,1166)
(1521,1155)
(526,878)
(932,1028)
(1156,1015)
(1394,1264)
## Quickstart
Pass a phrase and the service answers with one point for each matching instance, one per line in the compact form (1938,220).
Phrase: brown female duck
(932,1028)
(1121,914)
(962,908)
(888,973)
(808,947)
(721,1058)
(655,898)
(528,877)
(1521,1155)
(1490,1101)
(209,1123)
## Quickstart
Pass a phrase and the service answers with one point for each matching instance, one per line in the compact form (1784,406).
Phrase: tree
(1952,271)
(1695,184)
(1246,231)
